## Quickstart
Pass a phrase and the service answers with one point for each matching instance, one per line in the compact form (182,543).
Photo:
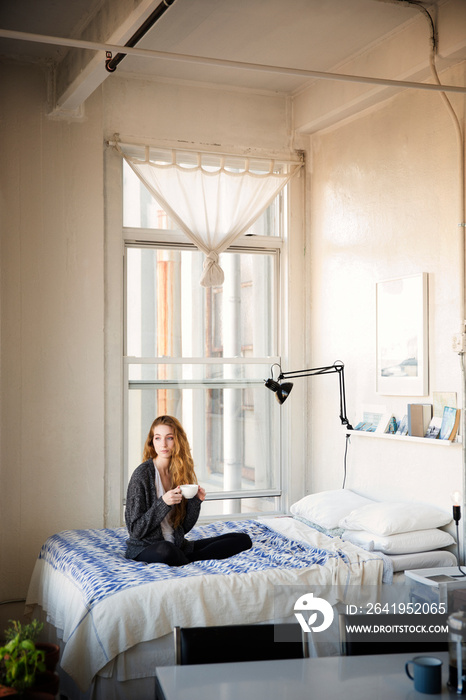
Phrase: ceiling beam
(405,55)
(81,72)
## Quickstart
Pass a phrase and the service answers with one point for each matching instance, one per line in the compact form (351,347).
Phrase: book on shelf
(433,431)
(419,417)
(371,418)
(450,423)
(366,426)
(387,424)
(403,426)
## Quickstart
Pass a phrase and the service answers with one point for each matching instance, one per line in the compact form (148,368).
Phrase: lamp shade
(282,391)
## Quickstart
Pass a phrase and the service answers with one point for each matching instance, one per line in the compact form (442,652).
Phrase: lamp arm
(343,416)
(329,369)
(337,367)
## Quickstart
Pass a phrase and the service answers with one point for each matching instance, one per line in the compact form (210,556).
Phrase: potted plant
(20,662)
(23,667)
(32,631)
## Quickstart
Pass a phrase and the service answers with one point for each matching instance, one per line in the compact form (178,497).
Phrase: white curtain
(212,198)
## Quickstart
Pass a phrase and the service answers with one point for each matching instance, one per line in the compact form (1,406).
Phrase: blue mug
(427,674)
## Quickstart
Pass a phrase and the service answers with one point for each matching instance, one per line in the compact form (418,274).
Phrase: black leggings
(220,547)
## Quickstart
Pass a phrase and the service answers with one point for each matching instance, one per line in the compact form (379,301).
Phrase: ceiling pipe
(203,60)
(112,62)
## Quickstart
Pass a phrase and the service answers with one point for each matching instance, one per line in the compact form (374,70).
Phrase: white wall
(51,324)
(383,203)
(192,116)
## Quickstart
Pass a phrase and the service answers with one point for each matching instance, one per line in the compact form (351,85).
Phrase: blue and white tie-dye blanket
(95,559)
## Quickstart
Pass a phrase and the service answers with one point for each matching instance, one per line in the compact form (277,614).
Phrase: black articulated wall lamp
(283,388)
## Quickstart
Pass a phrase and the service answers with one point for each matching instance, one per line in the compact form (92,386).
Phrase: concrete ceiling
(310,34)
(315,35)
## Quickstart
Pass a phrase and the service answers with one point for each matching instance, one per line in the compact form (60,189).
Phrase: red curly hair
(181,464)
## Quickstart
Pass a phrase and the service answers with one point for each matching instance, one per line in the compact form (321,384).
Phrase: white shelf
(408,438)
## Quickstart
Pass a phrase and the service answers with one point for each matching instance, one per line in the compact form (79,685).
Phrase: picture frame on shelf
(402,336)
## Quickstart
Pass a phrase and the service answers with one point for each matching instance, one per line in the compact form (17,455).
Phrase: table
(380,677)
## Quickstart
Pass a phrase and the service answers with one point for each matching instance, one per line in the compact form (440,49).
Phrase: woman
(157,516)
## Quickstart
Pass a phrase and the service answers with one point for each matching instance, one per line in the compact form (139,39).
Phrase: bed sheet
(103,604)
(296,528)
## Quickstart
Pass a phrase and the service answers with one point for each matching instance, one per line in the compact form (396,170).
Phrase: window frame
(154,238)
(293,317)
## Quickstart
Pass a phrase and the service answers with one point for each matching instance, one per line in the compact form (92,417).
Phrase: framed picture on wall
(402,336)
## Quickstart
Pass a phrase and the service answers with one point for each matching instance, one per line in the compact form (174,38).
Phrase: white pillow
(422,560)
(327,508)
(401,543)
(388,518)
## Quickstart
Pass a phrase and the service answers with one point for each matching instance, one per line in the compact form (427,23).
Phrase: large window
(202,354)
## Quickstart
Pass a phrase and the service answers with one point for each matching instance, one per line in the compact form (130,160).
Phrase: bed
(114,617)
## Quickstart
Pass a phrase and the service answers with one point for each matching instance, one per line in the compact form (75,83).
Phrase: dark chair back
(230,643)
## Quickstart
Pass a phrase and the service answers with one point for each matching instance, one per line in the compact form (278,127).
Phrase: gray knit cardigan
(145,512)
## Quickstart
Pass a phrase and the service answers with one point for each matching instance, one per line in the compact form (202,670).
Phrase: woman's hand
(172,497)
(201,493)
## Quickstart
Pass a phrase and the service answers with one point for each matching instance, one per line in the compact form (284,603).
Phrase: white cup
(189,490)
